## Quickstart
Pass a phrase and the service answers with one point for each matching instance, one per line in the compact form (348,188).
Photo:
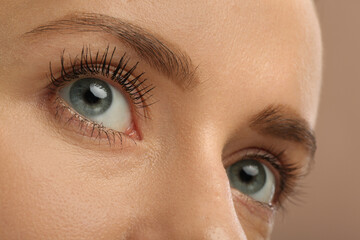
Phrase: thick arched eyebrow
(172,62)
(282,122)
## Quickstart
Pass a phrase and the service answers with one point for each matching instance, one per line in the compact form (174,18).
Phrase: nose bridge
(199,199)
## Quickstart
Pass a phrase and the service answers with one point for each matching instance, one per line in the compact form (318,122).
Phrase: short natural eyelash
(137,88)
(97,130)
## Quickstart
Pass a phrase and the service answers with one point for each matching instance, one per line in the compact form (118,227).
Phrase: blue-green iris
(248,176)
(90,96)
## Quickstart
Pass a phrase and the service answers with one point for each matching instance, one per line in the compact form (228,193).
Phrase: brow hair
(170,61)
(279,121)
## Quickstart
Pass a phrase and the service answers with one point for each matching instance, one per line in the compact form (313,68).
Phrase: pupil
(90,98)
(248,176)
(245,177)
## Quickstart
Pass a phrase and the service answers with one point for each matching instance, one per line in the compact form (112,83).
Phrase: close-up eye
(99,98)
(98,101)
(254,179)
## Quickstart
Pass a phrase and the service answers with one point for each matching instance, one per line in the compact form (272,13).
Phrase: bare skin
(165,177)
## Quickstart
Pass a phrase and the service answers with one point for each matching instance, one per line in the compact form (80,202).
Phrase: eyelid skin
(135,89)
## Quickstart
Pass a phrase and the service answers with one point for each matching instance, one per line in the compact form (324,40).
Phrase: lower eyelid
(255,208)
(75,124)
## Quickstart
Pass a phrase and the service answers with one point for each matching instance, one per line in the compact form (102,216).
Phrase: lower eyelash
(95,131)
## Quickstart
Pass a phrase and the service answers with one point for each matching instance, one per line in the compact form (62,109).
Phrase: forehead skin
(248,54)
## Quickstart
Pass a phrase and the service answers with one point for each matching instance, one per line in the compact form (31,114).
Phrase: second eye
(99,102)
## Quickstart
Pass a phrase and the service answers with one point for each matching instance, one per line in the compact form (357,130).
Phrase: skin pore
(220,81)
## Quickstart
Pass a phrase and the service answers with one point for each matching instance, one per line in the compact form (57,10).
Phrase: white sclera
(116,117)
(266,193)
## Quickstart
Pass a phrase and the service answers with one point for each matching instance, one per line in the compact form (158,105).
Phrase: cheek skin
(51,192)
(257,221)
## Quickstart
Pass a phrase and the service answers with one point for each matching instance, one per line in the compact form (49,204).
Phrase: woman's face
(154,119)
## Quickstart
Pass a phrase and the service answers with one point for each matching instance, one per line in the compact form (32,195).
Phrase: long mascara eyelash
(136,88)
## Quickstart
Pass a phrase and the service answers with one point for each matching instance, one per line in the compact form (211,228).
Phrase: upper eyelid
(282,122)
(256,150)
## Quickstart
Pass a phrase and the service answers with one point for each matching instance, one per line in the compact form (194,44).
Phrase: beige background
(330,208)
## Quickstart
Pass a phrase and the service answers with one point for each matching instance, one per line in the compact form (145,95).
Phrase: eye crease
(101,98)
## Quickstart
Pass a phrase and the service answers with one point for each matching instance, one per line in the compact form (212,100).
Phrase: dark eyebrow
(282,122)
(173,63)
